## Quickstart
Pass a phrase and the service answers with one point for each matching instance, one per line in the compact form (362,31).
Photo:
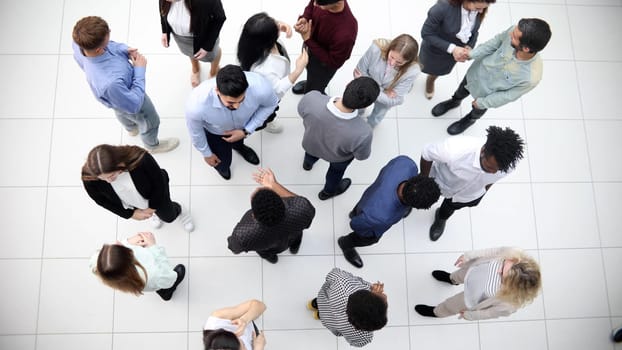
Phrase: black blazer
(150,181)
(206,20)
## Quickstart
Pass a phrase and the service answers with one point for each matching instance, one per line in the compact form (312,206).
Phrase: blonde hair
(521,284)
(118,269)
(406,46)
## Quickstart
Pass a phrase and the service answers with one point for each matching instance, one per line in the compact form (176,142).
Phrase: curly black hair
(420,192)
(366,311)
(268,208)
(505,145)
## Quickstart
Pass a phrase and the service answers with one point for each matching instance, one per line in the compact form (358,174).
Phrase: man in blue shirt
(397,189)
(117,83)
(221,112)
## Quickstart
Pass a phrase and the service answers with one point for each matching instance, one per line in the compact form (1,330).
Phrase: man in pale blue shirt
(221,112)
(117,83)
(504,68)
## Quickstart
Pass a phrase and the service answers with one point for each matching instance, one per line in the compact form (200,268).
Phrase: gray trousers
(146,120)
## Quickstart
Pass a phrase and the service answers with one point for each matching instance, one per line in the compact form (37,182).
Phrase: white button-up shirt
(456,168)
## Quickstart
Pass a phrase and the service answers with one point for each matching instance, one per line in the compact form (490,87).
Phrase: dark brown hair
(117,268)
(108,158)
(90,32)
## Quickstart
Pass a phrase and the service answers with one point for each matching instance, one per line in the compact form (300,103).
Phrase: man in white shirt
(465,167)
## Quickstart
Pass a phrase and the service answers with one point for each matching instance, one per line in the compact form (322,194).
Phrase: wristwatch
(246,133)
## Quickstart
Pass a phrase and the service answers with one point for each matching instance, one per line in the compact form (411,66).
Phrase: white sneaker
(165,145)
(155,221)
(186,220)
(274,127)
(133,132)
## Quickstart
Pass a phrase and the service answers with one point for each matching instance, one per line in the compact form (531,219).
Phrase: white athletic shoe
(274,127)
(186,221)
(155,221)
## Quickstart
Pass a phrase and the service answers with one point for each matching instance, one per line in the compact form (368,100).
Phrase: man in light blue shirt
(221,112)
(117,83)
(504,68)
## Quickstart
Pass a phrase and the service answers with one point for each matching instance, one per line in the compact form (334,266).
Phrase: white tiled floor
(562,203)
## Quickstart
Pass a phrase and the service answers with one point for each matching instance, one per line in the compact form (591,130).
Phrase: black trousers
(319,74)
(448,207)
(222,149)
(354,240)
(294,242)
(461,93)
(171,210)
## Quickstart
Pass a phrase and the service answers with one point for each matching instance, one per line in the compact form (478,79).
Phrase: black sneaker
(299,88)
(459,126)
(167,294)
(425,310)
(442,276)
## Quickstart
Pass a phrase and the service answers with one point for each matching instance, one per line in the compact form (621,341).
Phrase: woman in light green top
(137,265)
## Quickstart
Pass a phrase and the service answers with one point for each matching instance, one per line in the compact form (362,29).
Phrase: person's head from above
(258,37)
(107,162)
(419,192)
(481,6)
(502,151)
(267,207)
(521,280)
(367,310)
(91,34)
(530,35)
(117,268)
(401,52)
(220,339)
(330,5)
(360,93)
(231,85)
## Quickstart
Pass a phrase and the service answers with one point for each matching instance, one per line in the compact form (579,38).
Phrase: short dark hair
(366,311)
(505,145)
(90,32)
(420,192)
(231,81)
(360,93)
(220,339)
(268,208)
(536,34)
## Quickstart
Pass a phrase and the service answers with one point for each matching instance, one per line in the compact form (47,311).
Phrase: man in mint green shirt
(504,68)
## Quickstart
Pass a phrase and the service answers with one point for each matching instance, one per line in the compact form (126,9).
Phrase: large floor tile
(28,84)
(612,258)
(74,341)
(287,301)
(587,23)
(212,285)
(557,151)
(29,39)
(22,229)
(307,339)
(158,341)
(20,296)
(608,209)
(15,148)
(565,215)
(18,342)
(599,102)
(578,334)
(495,335)
(604,144)
(73,300)
(75,226)
(464,336)
(505,203)
(456,237)
(563,296)
(385,338)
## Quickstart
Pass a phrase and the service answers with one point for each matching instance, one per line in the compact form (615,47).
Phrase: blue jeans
(377,114)
(146,120)
(333,175)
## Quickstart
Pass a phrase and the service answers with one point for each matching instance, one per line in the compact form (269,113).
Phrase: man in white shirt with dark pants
(465,167)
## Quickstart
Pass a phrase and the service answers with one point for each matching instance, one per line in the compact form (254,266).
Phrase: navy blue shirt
(380,208)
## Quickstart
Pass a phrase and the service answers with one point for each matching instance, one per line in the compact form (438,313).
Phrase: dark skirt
(434,61)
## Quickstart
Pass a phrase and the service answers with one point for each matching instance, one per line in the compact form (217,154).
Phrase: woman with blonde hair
(127,181)
(137,265)
(451,29)
(497,282)
(232,328)
(394,65)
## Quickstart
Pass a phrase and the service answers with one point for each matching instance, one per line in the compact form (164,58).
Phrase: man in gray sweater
(335,133)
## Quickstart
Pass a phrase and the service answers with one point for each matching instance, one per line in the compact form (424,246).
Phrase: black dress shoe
(442,276)
(350,254)
(273,259)
(437,228)
(226,174)
(167,293)
(425,310)
(459,126)
(444,106)
(249,155)
(616,335)
(343,186)
(299,88)
(307,166)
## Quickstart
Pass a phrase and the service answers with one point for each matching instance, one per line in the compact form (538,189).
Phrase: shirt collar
(339,114)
